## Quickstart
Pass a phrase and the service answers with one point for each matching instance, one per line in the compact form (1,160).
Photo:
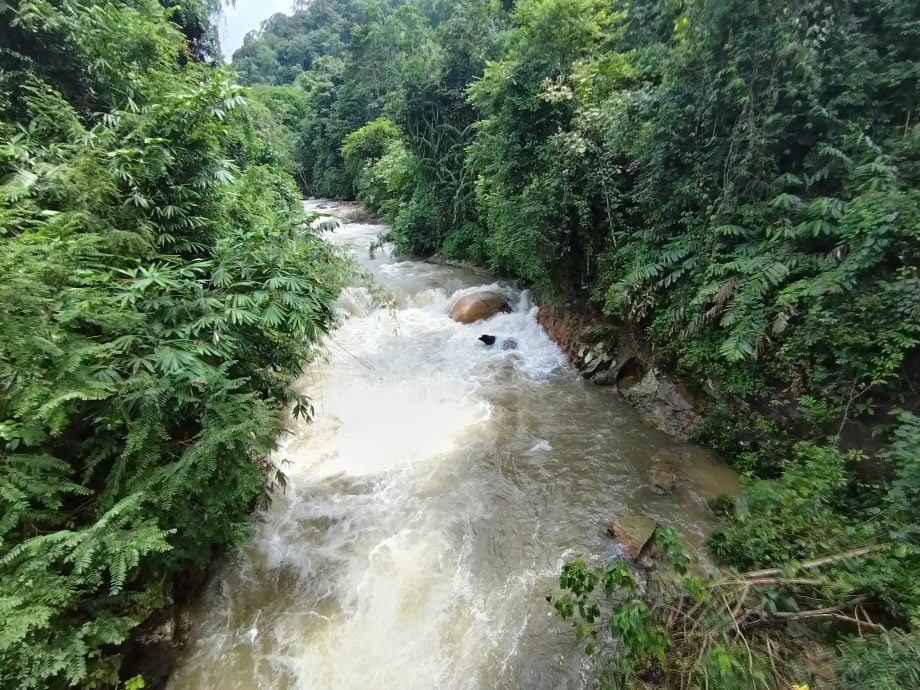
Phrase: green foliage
(792,517)
(627,619)
(379,58)
(890,661)
(738,180)
(157,296)
(821,502)
(135,683)
(528,185)
(680,636)
(278,114)
(368,144)
(287,46)
(351,60)
(689,630)
(896,519)
(437,209)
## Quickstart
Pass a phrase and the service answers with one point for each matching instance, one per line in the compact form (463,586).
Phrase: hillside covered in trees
(739,181)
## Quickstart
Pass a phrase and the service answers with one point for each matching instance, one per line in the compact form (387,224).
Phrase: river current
(432,503)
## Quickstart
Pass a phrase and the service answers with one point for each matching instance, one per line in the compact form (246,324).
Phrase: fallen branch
(827,613)
(795,615)
(833,616)
(811,565)
(741,582)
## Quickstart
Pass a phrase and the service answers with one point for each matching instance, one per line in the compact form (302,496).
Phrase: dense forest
(739,181)
(157,297)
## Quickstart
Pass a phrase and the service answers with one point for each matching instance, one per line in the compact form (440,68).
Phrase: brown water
(431,505)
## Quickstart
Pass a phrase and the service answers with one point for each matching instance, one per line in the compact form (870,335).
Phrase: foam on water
(429,506)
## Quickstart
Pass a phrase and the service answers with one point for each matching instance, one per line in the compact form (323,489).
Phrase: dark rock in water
(506,344)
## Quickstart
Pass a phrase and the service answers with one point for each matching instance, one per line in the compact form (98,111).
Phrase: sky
(237,21)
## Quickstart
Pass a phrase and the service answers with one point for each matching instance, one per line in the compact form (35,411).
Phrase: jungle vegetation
(158,294)
(738,180)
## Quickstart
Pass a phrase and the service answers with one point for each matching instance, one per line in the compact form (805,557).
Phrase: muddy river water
(431,504)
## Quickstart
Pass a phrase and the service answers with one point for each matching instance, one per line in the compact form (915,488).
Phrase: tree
(286,45)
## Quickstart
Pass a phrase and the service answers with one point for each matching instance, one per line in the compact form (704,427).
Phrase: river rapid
(432,503)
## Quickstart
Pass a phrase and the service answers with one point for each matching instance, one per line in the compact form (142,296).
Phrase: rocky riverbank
(611,353)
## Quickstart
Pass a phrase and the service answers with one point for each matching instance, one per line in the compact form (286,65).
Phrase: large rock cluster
(609,353)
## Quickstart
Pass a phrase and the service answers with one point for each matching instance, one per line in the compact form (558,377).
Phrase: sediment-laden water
(432,503)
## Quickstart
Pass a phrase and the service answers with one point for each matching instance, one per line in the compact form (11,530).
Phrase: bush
(794,517)
(156,298)
(889,661)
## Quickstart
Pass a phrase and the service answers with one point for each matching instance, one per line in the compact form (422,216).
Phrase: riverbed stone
(598,365)
(663,403)
(479,306)
(662,472)
(633,532)
(351,213)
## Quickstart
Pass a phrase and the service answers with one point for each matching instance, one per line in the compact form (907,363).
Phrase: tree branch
(818,563)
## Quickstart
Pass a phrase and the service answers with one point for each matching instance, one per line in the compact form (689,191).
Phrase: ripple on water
(431,504)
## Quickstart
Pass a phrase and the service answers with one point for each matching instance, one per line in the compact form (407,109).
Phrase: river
(431,504)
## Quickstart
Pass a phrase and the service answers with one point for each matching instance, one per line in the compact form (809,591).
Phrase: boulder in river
(633,532)
(664,403)
(487,339)
(352,213)
(479,306)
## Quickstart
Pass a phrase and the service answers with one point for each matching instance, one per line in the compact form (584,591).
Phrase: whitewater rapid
(431,504)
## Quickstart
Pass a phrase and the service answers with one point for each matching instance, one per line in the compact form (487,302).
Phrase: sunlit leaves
(616,616)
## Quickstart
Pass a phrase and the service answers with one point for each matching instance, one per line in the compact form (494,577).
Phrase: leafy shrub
(889,661)
(368,144)
(157,298)
(793,517)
